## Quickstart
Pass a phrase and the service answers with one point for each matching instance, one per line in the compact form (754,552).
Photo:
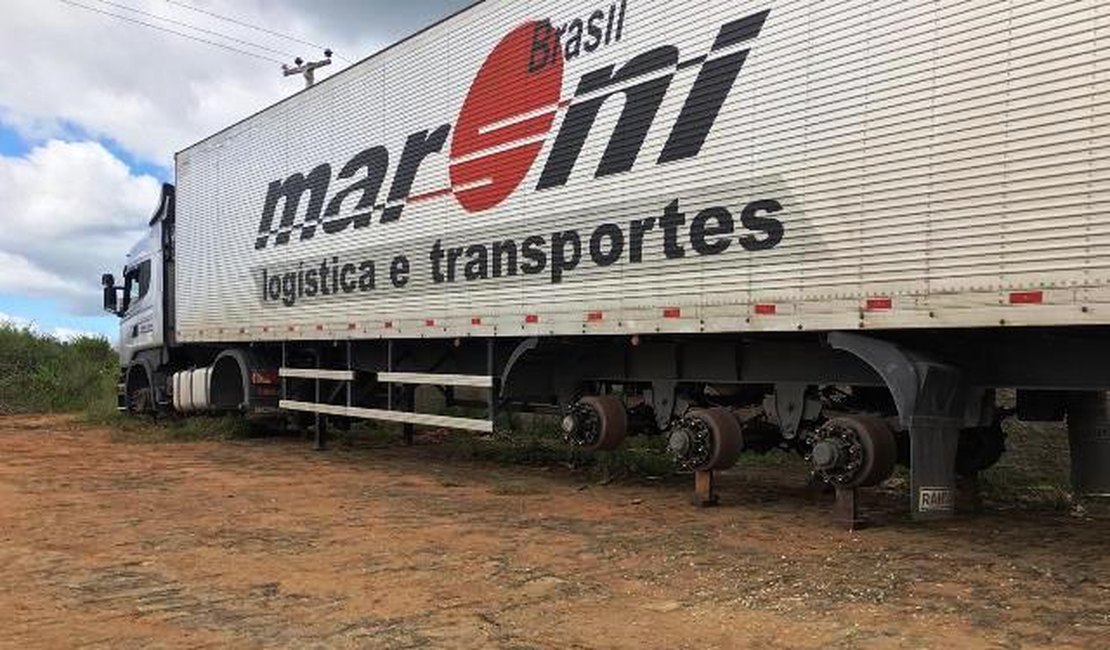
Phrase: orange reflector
(672,312)
(594,316)
(765,309)
(876,304)
(1026,297)
(531,318)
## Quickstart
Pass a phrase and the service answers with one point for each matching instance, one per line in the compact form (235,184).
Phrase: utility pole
(307,69)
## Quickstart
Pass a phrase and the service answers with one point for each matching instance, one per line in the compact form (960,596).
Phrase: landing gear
(596,423)
(850,452)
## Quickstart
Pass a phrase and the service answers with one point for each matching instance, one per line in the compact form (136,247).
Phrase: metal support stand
(846,509)
(408,431)
(389,368)
(321,420)
(489,371)
(705,493)
(1089,443)
(350,366)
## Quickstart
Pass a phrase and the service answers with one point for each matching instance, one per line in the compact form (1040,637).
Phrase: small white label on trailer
(936,499)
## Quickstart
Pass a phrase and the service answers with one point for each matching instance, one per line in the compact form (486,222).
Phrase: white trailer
(859,217)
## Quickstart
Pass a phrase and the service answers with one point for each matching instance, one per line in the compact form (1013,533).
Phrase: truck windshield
(136,283)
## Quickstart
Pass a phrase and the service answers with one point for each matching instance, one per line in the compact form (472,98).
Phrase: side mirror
(107,280)
(111,303)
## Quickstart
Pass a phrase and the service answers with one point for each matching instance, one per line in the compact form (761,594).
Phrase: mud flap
(933,442)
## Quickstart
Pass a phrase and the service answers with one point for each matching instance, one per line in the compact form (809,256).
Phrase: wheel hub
(581,426)
(690,443)
(837,453)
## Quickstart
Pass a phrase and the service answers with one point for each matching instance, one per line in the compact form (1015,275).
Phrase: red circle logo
(505,117)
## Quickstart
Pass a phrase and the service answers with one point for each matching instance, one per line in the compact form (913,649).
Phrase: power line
(194,27)
(171,31)
(243,23)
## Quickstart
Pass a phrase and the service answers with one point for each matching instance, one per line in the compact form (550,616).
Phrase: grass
(1034,469)
(39,373)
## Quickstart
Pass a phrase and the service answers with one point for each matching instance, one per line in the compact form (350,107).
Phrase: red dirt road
(264,543)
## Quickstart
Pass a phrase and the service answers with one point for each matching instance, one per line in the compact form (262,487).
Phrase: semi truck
(833,228)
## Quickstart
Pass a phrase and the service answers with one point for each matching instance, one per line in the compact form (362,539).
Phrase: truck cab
(142,303)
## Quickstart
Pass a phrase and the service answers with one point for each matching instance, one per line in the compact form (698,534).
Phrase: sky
(93,107)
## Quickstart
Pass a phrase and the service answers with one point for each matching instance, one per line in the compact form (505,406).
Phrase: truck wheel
(854,451)
(597,423)
(139,395)
(140,401)
(706,439)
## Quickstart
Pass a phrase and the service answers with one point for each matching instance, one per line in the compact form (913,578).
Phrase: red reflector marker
(878,304)
(594,316)
(264,377)
(1026,297)
(531,318)
(319,327)
(352,326)
(765,309)
(388,324)
(429,322)
(672,312)
(476,321)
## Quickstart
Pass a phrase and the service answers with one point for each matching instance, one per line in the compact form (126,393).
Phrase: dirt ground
(264,543)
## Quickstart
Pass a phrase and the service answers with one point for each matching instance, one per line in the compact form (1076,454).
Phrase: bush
(39,373)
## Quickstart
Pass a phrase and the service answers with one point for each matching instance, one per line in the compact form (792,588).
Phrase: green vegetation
(39,373)
(1034,469)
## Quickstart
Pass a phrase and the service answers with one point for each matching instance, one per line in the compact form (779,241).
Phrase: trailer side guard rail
(434,379)
(404,417)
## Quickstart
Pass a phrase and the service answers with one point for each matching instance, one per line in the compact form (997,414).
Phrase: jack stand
(408,430)
(817,488)
(846,509)
(704,493)
(321,433)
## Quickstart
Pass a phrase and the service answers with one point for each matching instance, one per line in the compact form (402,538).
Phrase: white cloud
(64,334)
(152,92)
(14,321)
(70,211)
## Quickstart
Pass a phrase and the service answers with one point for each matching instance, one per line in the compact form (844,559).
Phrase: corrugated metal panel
(938,154)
